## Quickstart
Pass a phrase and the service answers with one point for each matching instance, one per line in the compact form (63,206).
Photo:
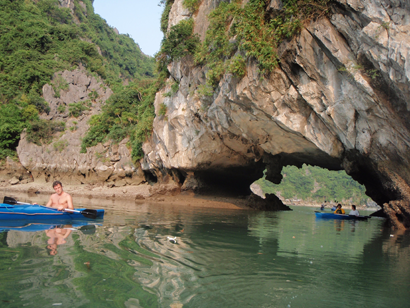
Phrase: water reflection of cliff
(363,260)
(218,257)
(301,234)
(388,255)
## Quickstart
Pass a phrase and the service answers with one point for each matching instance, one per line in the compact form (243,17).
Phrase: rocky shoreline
(134,195)
(102,195)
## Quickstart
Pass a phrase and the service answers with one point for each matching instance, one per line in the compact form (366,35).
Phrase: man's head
(52,249)
(339,206)
(353,207)
(58,187)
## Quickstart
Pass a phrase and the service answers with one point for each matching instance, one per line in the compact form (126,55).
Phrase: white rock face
(178,12)
(340,98)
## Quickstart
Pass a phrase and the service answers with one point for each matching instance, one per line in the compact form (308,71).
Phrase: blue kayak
(42,213)
(324,215)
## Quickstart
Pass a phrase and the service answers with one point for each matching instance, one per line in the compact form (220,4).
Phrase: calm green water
(222,258)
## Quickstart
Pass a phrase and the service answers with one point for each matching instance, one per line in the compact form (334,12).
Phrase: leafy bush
(93,95)
(174,89)
(42,131)
(7,152)
(117,133)
(11,126)
(38,102)
(205,90)
(76,109)
(192,5)
(128,113)
(162,110)
(60,145)
(59,83)
(180,42)
(237,66)
(61,108)
(165,15)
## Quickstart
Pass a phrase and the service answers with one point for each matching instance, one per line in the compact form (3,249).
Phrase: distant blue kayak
(325,215)
(42,213)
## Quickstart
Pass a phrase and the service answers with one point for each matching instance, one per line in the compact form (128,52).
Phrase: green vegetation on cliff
(316,184)
(192,5)
(238,33)
(180,41)
(128,113)
(40,38)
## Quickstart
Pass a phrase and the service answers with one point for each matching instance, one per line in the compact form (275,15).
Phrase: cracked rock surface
(340,99)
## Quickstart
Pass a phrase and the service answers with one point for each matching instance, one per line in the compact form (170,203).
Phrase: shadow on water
(166,256)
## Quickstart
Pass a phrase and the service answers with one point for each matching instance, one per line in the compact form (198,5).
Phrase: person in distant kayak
(333,208)
(339,209)
(322,207)
(60,200)
(354,212)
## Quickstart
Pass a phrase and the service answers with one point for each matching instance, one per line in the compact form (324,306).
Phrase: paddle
(86,213)
(12,201)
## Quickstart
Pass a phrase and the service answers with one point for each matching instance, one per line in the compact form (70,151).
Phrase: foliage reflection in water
(221,258)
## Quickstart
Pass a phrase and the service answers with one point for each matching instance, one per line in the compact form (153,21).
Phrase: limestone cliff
(61,159)
(78,56)
(339,99)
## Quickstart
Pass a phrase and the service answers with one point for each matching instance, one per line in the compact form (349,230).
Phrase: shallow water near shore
(221,258)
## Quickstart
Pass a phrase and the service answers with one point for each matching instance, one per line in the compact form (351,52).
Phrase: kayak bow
(11,209)
(40,212)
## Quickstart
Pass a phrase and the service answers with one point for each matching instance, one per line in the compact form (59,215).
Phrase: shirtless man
(60,200)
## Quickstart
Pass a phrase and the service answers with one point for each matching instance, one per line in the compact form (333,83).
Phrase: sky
(139,18)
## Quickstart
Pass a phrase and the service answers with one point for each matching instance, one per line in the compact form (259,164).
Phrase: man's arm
(50,202)
(67,233)
(70,202)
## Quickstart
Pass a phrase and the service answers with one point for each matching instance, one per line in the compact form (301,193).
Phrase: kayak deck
(339,216)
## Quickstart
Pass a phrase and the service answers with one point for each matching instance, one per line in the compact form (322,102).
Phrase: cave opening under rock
(348,181)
